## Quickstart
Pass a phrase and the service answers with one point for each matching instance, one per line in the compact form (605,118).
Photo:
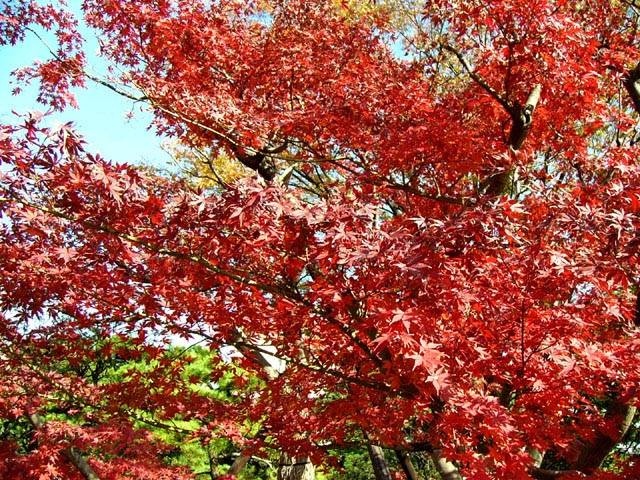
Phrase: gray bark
(74,456)
(289,468)
(407,466)
(238,464)
(446,469)
(295,468)
(380,467)
(632,83)
(522,118)
(81,464)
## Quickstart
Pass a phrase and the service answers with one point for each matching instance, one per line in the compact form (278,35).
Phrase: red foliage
(409,299)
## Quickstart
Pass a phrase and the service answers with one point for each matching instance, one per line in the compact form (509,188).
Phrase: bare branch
(478,79)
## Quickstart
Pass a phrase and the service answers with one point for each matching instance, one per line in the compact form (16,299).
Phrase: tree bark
(500,183)
(446,469)
(632,83)
(592,452)
(542,474)
(407,466)
(238,464)
(81,464)
(295,468)
(380,467)
(260,160)
(74,456)
(522,118)
(289,468)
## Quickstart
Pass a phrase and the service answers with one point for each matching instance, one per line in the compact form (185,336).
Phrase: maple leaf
(66,254)
(439,380)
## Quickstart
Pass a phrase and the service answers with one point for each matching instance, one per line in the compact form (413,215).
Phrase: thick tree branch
(74,456)
(240,277)
(238,464)
(593,451)
(404,459)
(631,82)
(260,352)
(258,160)
(544,474)
(522,118)
(379,463)
(462,201)
(446,469)
(498,183)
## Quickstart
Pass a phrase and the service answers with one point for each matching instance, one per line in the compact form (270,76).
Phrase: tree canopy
(435,234)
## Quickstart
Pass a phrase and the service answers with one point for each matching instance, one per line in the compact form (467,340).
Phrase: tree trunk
(407,466)
(446,469)
(74,456)
(238,464)
(289,468)
(632,83)
(292,468)
(592,452)
(522,117)
(380,467)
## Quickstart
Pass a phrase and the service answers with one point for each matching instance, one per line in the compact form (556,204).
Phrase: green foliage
(115,361)
(19,431)
(355,466)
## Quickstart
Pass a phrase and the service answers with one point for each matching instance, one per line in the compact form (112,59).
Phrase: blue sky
(101,117)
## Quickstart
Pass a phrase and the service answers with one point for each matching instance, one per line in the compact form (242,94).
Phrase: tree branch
(522,118)
(593,451)
(74,456)
(446,469)
(631,82)
(544,474)
(478,79)
(404,459)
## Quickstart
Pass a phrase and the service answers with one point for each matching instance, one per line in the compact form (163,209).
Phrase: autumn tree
(438,238)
